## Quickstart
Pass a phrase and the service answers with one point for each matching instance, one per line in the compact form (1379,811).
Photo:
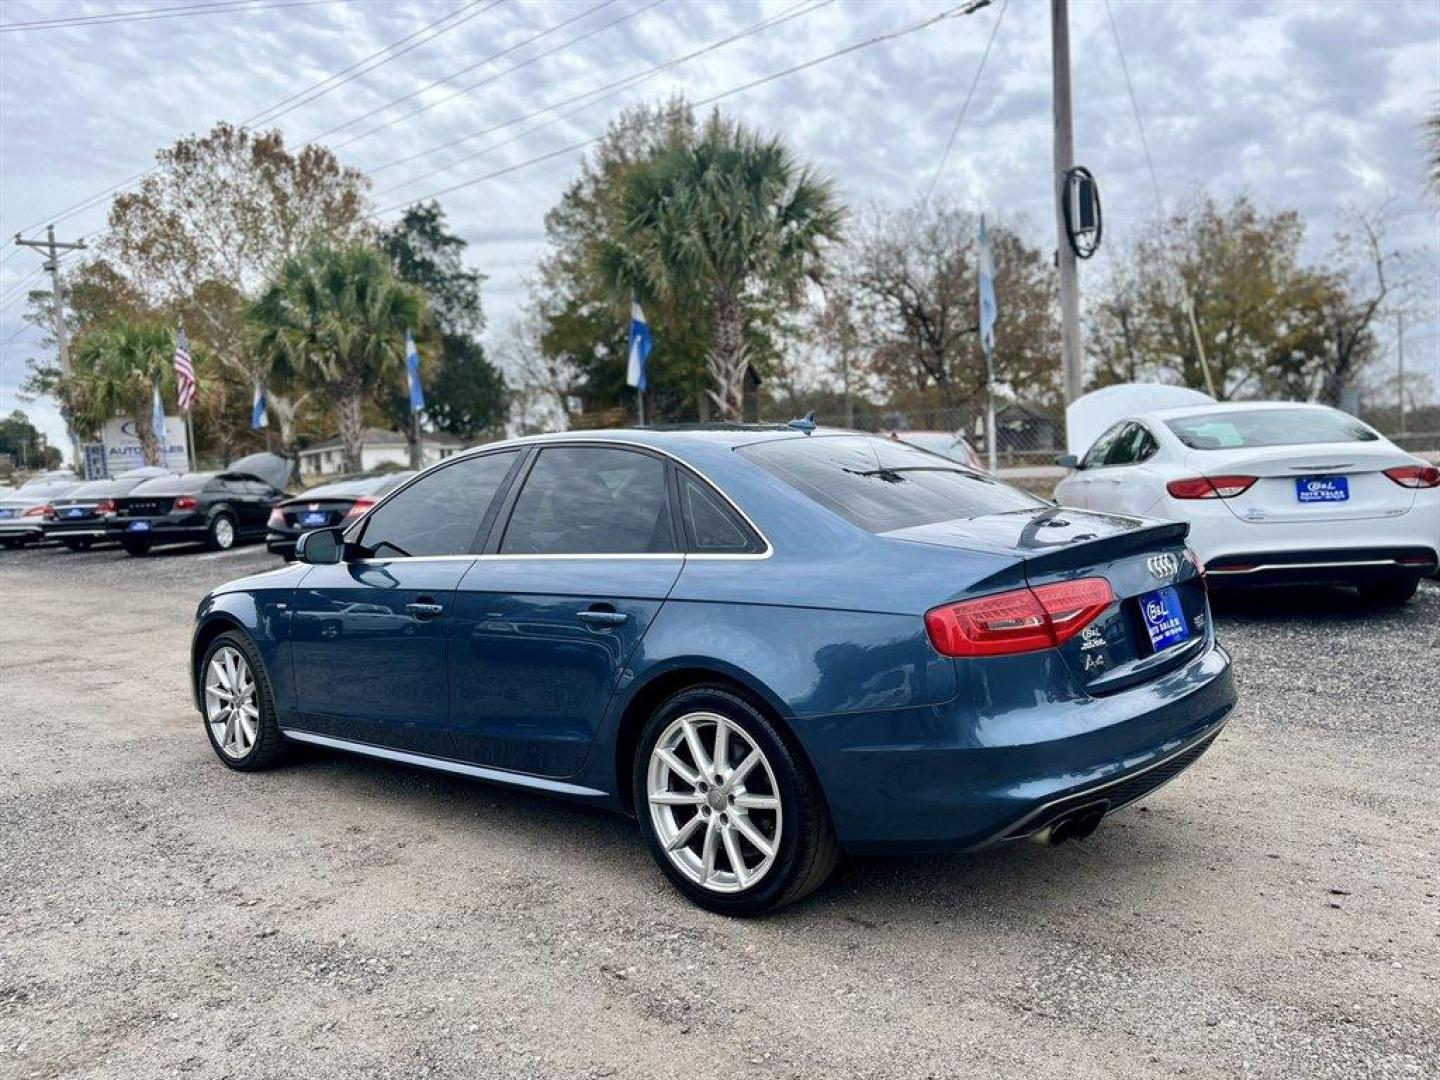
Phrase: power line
(220,7)
(877,39)
(501,74)
(1135,109)
(94,200)
(615,87)
(969,94)
(456,74)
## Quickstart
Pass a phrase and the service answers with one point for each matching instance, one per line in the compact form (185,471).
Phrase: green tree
(727,224)
(464,393)
(334,320)
(115,368)
(26,444)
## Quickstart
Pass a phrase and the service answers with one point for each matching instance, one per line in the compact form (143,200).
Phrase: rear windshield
(97,489)
(882,485)
(173,485)
(1268,427)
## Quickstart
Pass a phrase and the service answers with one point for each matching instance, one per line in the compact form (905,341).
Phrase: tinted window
(1096,454)
(710,525)
(173,485)
(1268,427)
(882,485)
(441,513)
(591,500)
(1133,443)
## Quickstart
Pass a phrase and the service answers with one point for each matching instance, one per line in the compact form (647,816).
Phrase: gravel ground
(1271,913)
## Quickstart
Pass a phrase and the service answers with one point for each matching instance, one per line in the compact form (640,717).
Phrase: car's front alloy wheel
(221,536)
(729,807)
(239,716)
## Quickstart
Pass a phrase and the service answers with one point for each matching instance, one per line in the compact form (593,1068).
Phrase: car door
(1108,475)
(251,500)
(547,618)
(1079,486)
(369,633)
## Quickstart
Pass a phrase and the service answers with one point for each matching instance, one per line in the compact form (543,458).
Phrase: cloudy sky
(1302,104)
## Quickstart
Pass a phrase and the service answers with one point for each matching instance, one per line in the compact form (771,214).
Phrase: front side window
(441,513)
(591,500)
(1243,428)
(1096,455)
(882,485)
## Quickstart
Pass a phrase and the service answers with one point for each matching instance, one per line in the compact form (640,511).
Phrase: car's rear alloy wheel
(729,807)
(714,802)
(222,533)
(239,716)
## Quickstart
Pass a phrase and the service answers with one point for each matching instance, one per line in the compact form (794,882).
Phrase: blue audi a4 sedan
(768,644)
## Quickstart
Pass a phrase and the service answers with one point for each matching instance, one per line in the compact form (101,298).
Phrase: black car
(81,516)
(218,509)
(337,503)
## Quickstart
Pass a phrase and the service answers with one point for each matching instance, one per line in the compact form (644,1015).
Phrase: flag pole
(640,404)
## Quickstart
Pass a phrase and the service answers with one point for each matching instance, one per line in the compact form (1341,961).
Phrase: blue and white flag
(641,342)
(412,374)
(157,417)
(988,309)
(259,418)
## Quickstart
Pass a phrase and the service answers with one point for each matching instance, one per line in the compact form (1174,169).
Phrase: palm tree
(724,223)
(335,319)
(116,367)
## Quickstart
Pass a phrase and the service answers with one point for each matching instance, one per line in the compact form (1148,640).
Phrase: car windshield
(882,485)
(1242,428)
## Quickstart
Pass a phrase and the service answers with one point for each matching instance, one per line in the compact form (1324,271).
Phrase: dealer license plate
(1164,619)
(314,517)
(75,512)
(7,513)
(1320,489)
(139,526)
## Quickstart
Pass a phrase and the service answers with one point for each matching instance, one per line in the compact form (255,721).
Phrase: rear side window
(1268,427)
(882,485)
(712,527)
(441,513)
(591,500)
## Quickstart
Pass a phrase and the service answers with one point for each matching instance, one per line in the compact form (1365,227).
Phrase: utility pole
(51,249)
(1064,162)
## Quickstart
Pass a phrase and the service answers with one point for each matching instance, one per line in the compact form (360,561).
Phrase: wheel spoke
(707,853)
(732,852)
(697,752)
(747,801)
(743,769)
(686,832)
(722,749)
(758,839)
(678,767)
(677,798)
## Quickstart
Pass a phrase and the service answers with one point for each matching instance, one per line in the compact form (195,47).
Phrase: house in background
(379,449)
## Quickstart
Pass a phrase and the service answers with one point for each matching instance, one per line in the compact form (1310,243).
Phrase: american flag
(184,372)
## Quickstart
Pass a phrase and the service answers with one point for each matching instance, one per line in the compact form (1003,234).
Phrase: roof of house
(375,436)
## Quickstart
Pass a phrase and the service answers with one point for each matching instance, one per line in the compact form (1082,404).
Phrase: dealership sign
(123,450)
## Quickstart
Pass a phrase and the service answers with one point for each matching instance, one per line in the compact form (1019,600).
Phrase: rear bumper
(282,544)
(982,769)
(19,529)
(1325,566)
(90,530)
(159,532)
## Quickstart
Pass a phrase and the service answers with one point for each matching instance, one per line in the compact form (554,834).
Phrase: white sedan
(1274,493)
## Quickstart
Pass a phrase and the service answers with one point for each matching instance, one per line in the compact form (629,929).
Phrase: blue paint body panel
(914,751)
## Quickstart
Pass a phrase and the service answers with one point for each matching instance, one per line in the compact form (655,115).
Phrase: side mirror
(1068,461)
(322,547)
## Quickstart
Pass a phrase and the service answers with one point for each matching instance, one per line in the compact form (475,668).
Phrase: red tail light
(40,511)
(1209,487)
(1194,560)
(186,502)
(362,504)
(1415,476)
(105,506)
(277,519)
(1022,620)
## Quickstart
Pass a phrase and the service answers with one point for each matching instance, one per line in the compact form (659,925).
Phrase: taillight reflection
(1209,487)
(1022,620)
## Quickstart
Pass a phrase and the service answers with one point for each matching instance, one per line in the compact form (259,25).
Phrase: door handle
(425,609)
(602,617)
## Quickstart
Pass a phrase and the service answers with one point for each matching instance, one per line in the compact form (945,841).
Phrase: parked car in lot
(22,511)
(335,503)
(81,516)
(948,444)
(218,509)
(1274,493)
(768,643)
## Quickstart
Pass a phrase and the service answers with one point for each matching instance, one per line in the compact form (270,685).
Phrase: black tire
(215,533)
(808,850)
(1390,593)
(135,547)
(10,542)
(270,745)
(78,543)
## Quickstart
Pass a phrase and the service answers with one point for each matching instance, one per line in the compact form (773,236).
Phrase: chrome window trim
(560,439)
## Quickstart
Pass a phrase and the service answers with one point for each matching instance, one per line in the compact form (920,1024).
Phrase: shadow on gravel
(1275,604)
